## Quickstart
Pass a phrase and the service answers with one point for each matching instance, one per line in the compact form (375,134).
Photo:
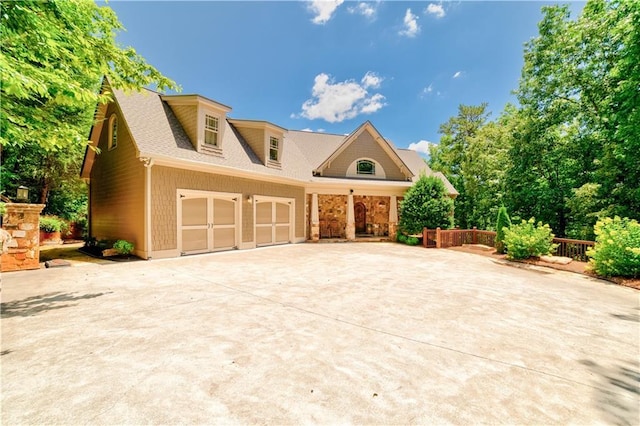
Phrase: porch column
(315,218)
(393,218)
(351,222)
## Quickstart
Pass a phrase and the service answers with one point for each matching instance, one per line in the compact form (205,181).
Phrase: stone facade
(332,210)
(377,214)
(22,223)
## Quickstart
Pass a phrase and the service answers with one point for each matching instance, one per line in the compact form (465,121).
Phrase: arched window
(366,167)
(113,131)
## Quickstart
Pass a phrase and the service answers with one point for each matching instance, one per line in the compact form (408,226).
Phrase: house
(175,175)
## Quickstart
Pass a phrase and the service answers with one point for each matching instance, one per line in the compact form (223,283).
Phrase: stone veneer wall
(377,212)
(22,223)
(333,208)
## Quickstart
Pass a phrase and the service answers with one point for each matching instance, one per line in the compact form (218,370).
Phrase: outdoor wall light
(22,193)
(249,199)
(351,191)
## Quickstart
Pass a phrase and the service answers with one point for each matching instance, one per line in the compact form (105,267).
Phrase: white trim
(113,118)
(148,163)
(165,254)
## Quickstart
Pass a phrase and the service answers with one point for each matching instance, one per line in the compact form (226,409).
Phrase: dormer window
(366,167)
(274,149)
(211,131)
(113,132)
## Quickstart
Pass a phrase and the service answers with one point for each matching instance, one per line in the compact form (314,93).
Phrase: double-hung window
(274,149)
(211,130)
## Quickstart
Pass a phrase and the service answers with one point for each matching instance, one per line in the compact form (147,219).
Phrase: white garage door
(273,220)
(207,222)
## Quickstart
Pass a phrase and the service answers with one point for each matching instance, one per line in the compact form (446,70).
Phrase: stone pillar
(315,218)
(22,223)
(393,217)
(351,221)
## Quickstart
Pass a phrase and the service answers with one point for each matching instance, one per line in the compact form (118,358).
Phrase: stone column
(21,222)
(393,217)
(351,221)
(315,218)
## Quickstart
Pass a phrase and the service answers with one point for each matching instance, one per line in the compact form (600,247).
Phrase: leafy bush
(426,205)
(401,238)
(501,222)
(527,240)
(123,247)
(412,241)
(617,248)
(52,224)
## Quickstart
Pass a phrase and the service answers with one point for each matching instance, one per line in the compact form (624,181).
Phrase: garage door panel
(282,234)
(282,213)
(264,213)
(264,235)
(224,238)
(194,240)
(194,211)
(224,212)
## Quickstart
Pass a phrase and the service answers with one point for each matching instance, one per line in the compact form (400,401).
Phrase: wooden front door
(361,217)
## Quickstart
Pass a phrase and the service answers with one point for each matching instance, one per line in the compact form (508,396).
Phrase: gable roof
(384,144)
(157,133)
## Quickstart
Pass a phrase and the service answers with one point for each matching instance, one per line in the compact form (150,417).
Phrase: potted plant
(51,228)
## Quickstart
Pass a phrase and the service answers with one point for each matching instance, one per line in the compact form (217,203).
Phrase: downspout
(148,163)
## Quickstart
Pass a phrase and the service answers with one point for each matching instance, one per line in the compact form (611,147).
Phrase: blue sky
(331,65)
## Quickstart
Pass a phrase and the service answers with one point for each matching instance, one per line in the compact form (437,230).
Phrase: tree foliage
(503,221)
(569,152)
(54,55)
(426,205)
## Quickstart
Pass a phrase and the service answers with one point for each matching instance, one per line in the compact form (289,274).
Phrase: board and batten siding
(117,189)
(165,182)
(364,146)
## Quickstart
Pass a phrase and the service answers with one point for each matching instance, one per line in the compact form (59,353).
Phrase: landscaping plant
(502,222)
(426,205)
(52,224)
(617,248)
(525,240)
(123,247)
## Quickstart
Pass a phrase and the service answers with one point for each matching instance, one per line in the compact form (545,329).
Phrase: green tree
(450,154)
(426,205)
(54,55)
(503,221)
(580,109)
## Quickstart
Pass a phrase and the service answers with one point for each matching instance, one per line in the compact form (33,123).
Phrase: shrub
(401,238)
(617,248)
(412,241)
(527,240)
(426,205)
(52,224)
(501,222)
(123,247)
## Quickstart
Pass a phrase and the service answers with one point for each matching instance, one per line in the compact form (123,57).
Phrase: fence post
(474,235)
(438,242)
(424,237)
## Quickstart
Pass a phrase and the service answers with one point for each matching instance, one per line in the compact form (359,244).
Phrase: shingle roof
(157,131)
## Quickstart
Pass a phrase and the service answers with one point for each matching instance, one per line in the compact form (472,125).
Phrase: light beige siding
(117,189)
(255,139)
(165,182)
(364,147)
(188,117)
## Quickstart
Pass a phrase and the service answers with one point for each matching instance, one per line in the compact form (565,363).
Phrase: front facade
(175,175)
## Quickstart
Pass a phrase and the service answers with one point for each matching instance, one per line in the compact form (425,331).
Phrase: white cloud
(308,129)
(457,74)
(336,102)
(323,9)
(436,10)
(411,27)
(365,9)
(421,146)
(427,89)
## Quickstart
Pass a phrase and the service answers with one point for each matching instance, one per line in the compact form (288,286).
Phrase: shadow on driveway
(46,302)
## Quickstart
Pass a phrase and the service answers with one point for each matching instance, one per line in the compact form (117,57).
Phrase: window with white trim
(211,130)
(274,149)
(113,132)
(366,167)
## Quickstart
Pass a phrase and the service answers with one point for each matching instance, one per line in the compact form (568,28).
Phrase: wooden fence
(439,238)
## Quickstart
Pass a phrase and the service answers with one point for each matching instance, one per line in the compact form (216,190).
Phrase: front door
(361,218)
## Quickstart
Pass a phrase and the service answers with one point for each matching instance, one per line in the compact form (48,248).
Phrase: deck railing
(444,238)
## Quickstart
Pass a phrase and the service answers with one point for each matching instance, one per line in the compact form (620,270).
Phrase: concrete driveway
(318,334)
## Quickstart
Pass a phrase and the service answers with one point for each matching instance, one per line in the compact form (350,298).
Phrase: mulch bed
(97,253)
(574,266)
